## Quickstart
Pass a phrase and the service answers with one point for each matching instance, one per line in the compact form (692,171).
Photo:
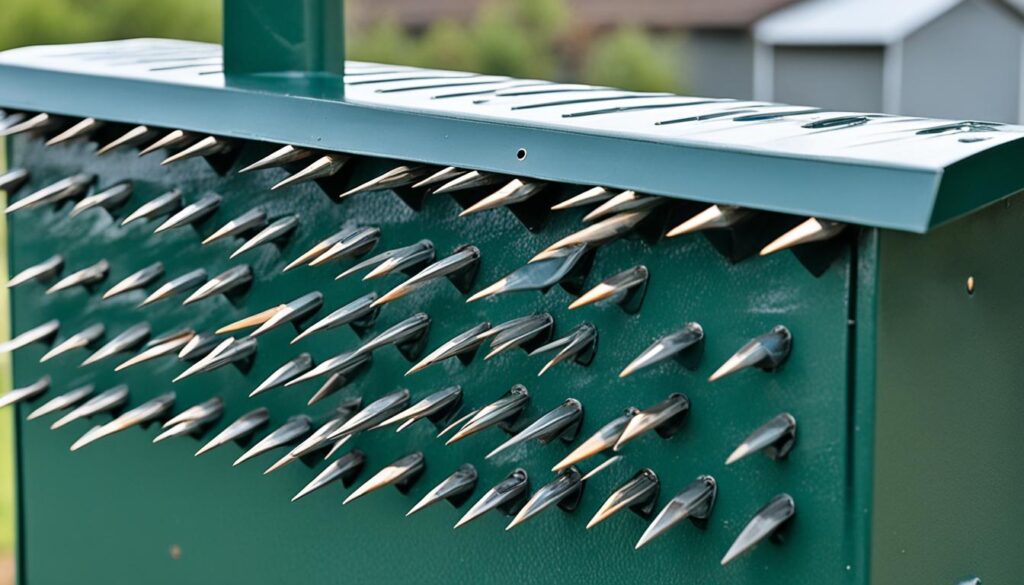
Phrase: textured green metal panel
(110,512)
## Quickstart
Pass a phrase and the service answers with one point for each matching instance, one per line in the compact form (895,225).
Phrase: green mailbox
(281,318)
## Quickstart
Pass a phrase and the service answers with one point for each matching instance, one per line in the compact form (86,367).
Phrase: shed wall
(841,78)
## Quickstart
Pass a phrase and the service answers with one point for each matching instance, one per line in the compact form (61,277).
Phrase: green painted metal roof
(894,172)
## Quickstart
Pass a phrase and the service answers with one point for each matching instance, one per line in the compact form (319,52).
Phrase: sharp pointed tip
(740,452)
(644,539)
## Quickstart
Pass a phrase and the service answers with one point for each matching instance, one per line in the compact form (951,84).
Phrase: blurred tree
(447,44)
(383,42)
(507,47)
(629,58)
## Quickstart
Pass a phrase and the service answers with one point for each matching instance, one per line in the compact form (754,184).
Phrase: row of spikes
(511,496)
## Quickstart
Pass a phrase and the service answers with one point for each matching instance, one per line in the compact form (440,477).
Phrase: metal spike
(165,204)
(604,439)
(457,423)
(540,275)
(345,468)
(252,220)
(160,346)
(373,414)
(13,180)
(200,345)
(434,406)
(401,474)
(62,190)
(442,176)
(766,522)
(295,311)
(360,313)
(62,402)
(224,283)
(82,339)
(338,379)
(291,369)
(455,488)
(579,345)
(501,412)
(400,259)
(291,431)
(356,243)
(336,447)
(618,288)
(241,428)
(408,332)
(565,490)
(401,176)
(137,280)
(176,286)
(515,191)
(325,166)
(108,199)
(465,343)
(766,352)
(133,137)
(592,195)
(173,139)
(85,277)
(602,466)
(339,364)
(665,417)
(506,496)
(277,230)
(192,419)
(318,439)
(36,123)
(561,422)
(623,202)
(84,127)
(191,213)
(595,235)
(127,340)
(324,245)
(142,414)
(105,401)
(669,346)
(714,217)
(279,158)
(775,438)
(639,494)
(45,270)
(518,333)
(30,392)
(470,180)
(229,351)
(45,333)
(695,501)
(465,260)
(208,146)
(812,230)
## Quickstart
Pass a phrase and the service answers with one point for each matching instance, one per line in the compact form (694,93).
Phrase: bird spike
(250,221)
(191,420)
(402,474)
(639,494)
(230,351)
(408,336)
(106,401)
(200,345)
(191,213)
(325,166)
(457,423)
(460,267)
(85,277)
(507,496)
(355,243)
(278,230)
(456,488)
(145,413)
(345,468)
(775,438)
(714,217)
(540,275)
(360,313)
(26,393)
(13,180)
(45,333)
(695,501)
(470,180)
(812,230)
(82,339)
(164,204)
(290,370)
(176,286)
(133,137)
(766,352)
(602,466)
(250,321)
(592,195)
(341,363)
(173,139)
(164,345)
(321,247)
(42,272)
(463,345)
(400,176)
(84,127)
(563,422)
(127,340)
(442,176)
(526,332)
(604,439)
(666,418)
(623,202)
(242,427)
(565,490)
(225,283)
(108,199)
(291,431)
(62,402)
(437,407)
(515,191)
(208,146)
(136,280)
(58,192)
(500,413)
(405,259)
(626,289)
(294,312)
(595,235)
(672,345)
(373,414)
(37,123)
(579,345)
(766,522)
(316,441)
(279,158)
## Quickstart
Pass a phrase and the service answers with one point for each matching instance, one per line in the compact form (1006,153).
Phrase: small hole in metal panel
(521,154)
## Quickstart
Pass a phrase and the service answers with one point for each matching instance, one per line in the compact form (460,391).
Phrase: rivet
(970,285)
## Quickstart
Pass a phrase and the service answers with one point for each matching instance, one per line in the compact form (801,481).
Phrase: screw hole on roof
(521,154)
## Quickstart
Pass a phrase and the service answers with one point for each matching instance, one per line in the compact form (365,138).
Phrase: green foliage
(448,42)
(628,58)
(506,45)
(383,42)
